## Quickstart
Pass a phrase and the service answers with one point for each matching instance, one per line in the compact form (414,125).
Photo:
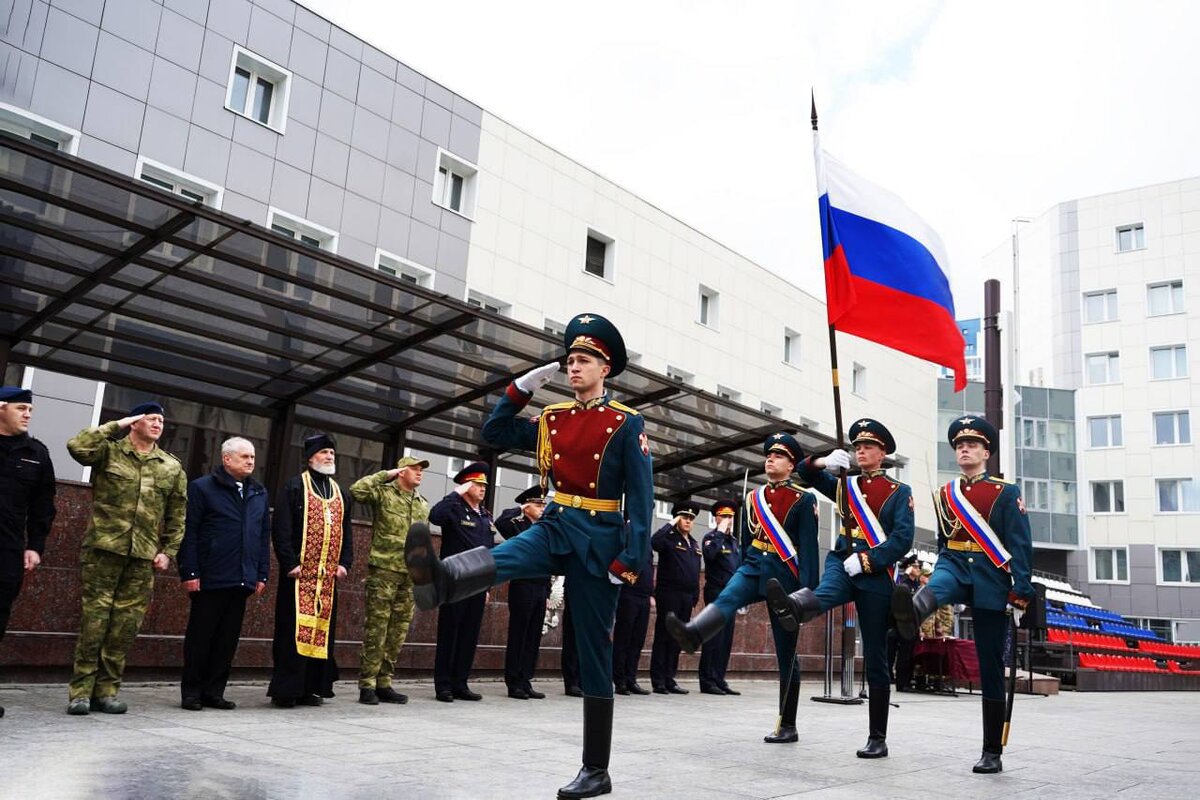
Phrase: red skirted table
(953,660)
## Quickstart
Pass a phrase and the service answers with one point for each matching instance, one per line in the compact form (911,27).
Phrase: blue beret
(15,394)
(149,407)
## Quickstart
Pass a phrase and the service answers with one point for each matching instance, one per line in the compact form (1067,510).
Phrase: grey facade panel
(285,9)
(305,103)
(255,136)
(269,36)
(230,18)
(360,220)
(422,244)
(208,109)
(464,139)
(107,155)
(424,210)
(88,10)
(135,21)
(364,176)
(289,188)
(456,225)
(375,92)
(427,154)
(245,207)
(379,61)
(24,24)
(69,42)
(17,75)
(298,146)
(348,44)
(357,250)
(398,191)
(113,117)
(406,108)
(330,159)
(164,138)
(60,95)
(407,76)
(216,56)
(180,40)
(439,94)
(249,173)
(325,202)
(452,253)
(370,133)
(341,74)
(468,111)
(307,56)
(403,149)
(195,10)
(312,24)
(122,66)
(337,116)
(393,231)
(207,155)
(172,88)
(435,124)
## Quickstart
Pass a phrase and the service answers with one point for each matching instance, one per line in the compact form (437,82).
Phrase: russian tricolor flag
(885,277)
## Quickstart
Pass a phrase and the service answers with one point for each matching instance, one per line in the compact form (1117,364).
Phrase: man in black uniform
(629,633)
(26,497)
(722,557)
(900,649)
(677,590)
(526,603)
(465,525)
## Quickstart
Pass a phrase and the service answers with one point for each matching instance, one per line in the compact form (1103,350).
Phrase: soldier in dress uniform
(465,524)
(526,602)
(984,561)
(676,590)
(778,530)
(392,495)
(629,631)
(592,451)
(722,557)
(138,489)
(878,516)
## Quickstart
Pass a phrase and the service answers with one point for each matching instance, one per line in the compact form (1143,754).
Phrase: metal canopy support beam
(725,447)
(278,446)
(393,449)
(454,402)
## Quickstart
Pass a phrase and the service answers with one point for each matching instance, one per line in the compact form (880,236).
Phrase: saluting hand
(125,422)
(535,379)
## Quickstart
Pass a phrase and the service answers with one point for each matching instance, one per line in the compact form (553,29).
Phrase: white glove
(462,488)
(853,565)
(838,459)
(724,524)
(535,379)
(613,579)
(555,601)
(1016,614)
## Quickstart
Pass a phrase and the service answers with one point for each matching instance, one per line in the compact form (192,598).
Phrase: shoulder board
(171,456)
(558,406)
(995,479)
(794,486)
(622,407)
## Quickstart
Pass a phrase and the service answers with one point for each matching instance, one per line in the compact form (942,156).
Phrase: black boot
(593,779)
(786,731)
(876,746)
(690,635)
(910,610)
(435,581)
(792,610)
(993,732)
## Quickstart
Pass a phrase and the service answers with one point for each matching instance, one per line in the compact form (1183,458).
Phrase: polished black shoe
(534,694)
(311,700)
(636,688)
(784,734)
(191,704)
(283,702)
(660,690)
(387,694)
(593,779)
(518,694)
(878,706)
(727,690)
(367,697)
(445,697)
(874,748)
(573,691)
(712,690)
(675,688)
(219,703)
(466,694)
(622,689)
(590,782)
(989,762)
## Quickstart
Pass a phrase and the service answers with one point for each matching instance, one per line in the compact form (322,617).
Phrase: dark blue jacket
(721,559)
(227,539)
(463,528)
(678,561)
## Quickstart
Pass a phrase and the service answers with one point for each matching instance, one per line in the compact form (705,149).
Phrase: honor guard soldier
(778,529)
(592,451)
(526,602)
(629,631)
(722,557)
(877,514)
(677,588)
(984,561)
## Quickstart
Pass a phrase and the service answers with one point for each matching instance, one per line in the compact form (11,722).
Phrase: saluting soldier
(676,590)
(393,496)
(984,561)
(526,602)
(465,524)
(778,530)
(722,557)
(878,515)
(137,489)
(592,451)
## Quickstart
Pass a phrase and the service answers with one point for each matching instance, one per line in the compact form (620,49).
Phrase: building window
(1172,427)
(480,300)
(454,184)
(770,410)
(598,260)
(454,466)
(1168,362)
(1180,566)
(679,375)
(1061,438)
(46,132)
(1062,497)
(858,380)
(297,265)
(809,423)
(1110,564)
(1100,306)
(1131,237)
(402,268)
(1164,298)
(1177,495)
(1108,497)
(1036,494)
(1033,434)
(725,393)
(662,509)
(172,180)
(709,306)
(1103,368)
(791,347)
(258,89)
(554,328)
(1104,431)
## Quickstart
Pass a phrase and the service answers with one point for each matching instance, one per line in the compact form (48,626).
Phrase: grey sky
(973,112)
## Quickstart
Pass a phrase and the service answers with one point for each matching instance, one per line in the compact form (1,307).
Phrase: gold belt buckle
(576,501)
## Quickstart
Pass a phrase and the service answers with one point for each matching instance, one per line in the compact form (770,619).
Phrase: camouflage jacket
(395,511)
(134,495)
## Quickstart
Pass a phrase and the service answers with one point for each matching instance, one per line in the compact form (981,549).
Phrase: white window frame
(402,268)
(680,375)
(1111,484)
(1114,356)
(1186,430)
(1109,297)
(1180,495)
(1040,428)
(1173,348)
(443,187)
(792,344)
(725,393)
(1039,498)
(770,409)
(858,380)
(1183,567)
(1094,552)
(488,303)
(1169,286)
(553,327)
(1133,228)
(708,308)
(326,240)
(454,465)
(662,509)
(211,193)
(1109,417)
(20,122)
(810,423)
(259,67)
(610,256)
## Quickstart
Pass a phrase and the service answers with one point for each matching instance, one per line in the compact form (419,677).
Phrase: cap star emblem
(864,423)
(585,319)
(966,420)
(777,436)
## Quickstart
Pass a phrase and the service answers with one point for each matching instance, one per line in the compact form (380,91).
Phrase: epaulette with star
(998,479)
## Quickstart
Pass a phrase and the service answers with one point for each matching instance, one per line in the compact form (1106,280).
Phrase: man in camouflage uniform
(139,500)
(393,495)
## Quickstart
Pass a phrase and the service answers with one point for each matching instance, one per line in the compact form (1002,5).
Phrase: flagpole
(847,697)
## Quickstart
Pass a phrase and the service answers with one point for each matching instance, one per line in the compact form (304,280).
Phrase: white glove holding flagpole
(1017,613)
(838,459)
(535,379)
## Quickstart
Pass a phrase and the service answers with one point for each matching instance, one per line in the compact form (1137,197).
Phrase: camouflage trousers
(116,594)
(388,614)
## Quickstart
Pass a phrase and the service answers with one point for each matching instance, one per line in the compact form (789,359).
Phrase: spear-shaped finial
(814,109)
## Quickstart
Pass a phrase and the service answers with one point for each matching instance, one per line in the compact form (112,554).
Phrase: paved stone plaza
(696,746)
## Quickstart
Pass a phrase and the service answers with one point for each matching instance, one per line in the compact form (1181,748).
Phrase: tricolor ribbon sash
(976,526)
(775,532)
(868,523)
